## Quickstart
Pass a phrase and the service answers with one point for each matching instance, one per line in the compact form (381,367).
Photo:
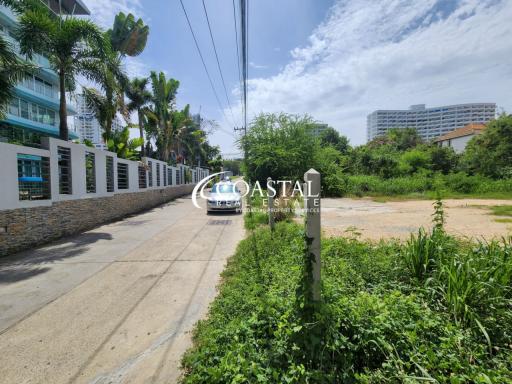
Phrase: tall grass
(470,280)
(423,183)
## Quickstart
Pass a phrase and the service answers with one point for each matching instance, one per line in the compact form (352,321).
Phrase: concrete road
(115,304)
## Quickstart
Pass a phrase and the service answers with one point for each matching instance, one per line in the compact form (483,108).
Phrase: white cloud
(135,67)
(257,66)
(103,12)
(372,55)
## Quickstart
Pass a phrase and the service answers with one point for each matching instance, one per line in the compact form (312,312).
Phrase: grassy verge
(446,195)
(432,310)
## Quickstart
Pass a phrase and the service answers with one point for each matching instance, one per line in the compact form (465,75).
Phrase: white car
(224,196)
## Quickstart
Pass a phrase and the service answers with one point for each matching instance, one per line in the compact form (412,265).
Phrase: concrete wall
(27,227)
(25,223)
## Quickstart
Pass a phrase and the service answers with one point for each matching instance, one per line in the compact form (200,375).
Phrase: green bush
(378,322)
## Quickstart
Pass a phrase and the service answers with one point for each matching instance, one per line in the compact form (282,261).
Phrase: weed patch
(435,309)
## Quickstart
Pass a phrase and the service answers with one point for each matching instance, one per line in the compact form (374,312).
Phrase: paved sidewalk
(116,304)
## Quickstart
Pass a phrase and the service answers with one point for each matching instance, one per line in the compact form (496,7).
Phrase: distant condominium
(429,122)
(87,127)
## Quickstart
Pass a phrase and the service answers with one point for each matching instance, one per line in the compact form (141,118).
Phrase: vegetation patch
(502,210)
(435,309)
(399,163)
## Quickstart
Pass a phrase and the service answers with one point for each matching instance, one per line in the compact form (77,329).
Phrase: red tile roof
(470,129)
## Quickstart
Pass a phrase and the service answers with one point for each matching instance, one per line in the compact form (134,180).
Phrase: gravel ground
(468,218)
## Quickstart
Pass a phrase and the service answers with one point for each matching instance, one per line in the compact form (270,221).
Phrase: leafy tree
(414,160)
(331,164)
(279,146)
(68,42)
(400,139)
(490,153)
(332,137)
(139,98)
(232,165)
(382,161)
(443,159)
(159,122)
(12,70)
(120,143)
(126,38)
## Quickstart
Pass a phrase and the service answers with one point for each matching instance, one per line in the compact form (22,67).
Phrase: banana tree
(126,148)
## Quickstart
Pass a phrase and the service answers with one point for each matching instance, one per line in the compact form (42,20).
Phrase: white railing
(59,171)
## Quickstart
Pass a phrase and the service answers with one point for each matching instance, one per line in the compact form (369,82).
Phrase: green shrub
(377,324)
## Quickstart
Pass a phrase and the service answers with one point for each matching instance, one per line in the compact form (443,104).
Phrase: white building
(459,138)
(87,126)
(429,122)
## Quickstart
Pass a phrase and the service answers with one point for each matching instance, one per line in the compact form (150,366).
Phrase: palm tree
(12,69)
(126,38)
(164,100)
(67,42)
(139,98)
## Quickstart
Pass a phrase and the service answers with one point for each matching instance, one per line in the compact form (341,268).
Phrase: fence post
(270,206)
(312,209)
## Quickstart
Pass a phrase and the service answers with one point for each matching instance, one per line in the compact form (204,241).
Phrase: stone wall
(27,227)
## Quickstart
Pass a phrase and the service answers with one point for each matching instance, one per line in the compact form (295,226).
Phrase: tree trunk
(111,112)
(141,131)
(63,113)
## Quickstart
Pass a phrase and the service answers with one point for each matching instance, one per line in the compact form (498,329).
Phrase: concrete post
(312,209)
(270,206)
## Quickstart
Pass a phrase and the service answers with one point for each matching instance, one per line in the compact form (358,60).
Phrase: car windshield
(224,188)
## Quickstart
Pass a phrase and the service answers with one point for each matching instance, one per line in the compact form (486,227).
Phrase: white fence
(31,177)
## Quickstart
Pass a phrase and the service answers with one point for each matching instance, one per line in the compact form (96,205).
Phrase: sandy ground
(464,218)
(115,304)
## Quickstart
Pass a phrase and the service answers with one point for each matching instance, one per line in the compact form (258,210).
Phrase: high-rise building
(87,127)
(318,128)
(34,111)
(429,122)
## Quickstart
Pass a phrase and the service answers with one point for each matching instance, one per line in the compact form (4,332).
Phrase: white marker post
(270,206)
(312,208)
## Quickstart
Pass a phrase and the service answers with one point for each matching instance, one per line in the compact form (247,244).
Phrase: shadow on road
(27,264)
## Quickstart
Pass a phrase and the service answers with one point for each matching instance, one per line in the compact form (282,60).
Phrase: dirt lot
(464,218)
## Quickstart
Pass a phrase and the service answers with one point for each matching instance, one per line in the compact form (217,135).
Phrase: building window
(142,177)
(150,173)
(64,159)
(90,172)
(33,177)
(157,174)
(24,111)
(122,176)
(110,174)
(14,106)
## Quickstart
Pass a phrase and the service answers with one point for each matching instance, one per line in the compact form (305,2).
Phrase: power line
(217,58)
(202,60)
(245,46)
(238,56)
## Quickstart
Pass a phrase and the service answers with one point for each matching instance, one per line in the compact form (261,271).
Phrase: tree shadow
(30,263)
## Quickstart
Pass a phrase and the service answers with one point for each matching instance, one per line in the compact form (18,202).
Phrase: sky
(336,60)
